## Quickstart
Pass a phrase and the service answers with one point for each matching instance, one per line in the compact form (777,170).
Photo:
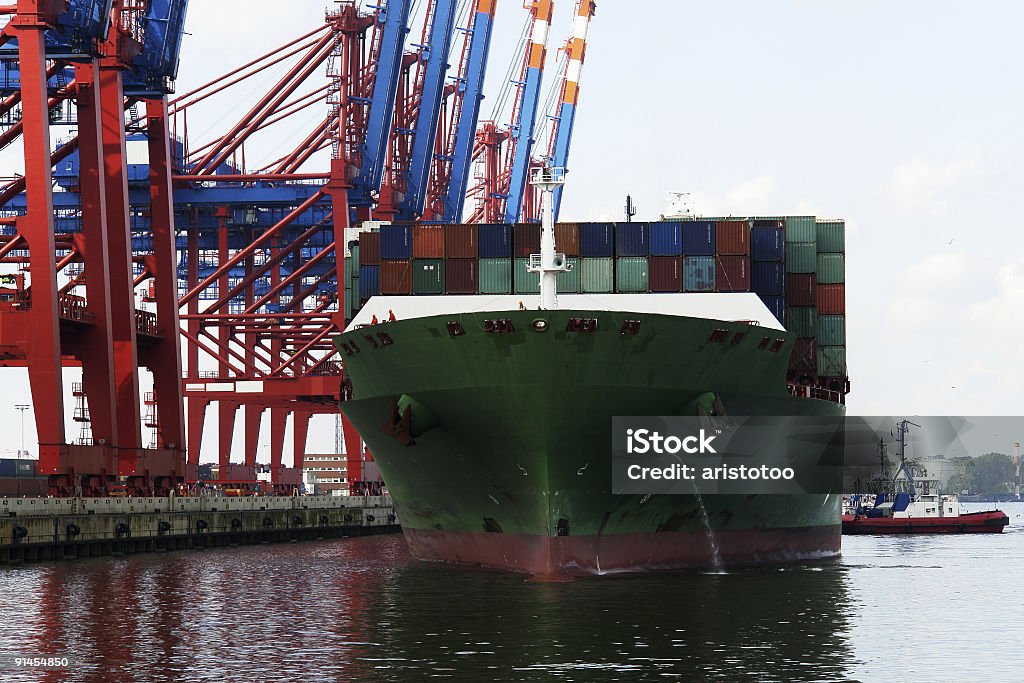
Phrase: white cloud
(937,273)
(748,198)
(917,186)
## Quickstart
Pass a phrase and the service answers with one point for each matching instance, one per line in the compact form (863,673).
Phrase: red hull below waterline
(989,522)
(640,552)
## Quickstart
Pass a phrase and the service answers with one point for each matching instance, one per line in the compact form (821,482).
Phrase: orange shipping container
(460,241)
(832,299)
(428,241)
(732,237)
(396,277)
(567,238)
(369,248)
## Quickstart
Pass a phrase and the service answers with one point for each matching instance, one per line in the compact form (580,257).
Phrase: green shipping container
(802,321)
(495,276)
(597,275)
(831,236)
(526,282)
(832,330)
(801,257)
(569,281)
(832,361)
(355,257)
(831,269)
(351,273)
(801,229)
(632,274)
(348,303)
(428,276)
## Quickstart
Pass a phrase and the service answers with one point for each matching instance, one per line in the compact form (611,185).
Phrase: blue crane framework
(220,279)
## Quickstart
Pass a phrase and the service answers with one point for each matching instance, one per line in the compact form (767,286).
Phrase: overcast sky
(903,117)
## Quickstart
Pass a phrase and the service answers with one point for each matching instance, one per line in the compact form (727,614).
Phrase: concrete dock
(37,529)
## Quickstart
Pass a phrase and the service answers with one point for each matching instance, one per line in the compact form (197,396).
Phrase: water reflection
(360,610)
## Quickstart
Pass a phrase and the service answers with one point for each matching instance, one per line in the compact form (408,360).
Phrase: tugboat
(908,512)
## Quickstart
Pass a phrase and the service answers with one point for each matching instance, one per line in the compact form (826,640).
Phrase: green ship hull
(496,446)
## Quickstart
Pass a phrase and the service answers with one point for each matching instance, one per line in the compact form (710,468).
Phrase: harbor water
(931,608)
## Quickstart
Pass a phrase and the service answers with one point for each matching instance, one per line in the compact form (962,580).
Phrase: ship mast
(548,262)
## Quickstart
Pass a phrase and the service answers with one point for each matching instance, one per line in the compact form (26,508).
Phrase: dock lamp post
(22,407)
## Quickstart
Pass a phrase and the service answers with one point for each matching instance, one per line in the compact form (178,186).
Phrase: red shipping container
(526,239)
(832,299)
(733,273)
(460,276)
(567,238)
(428,241)
(369,248)
(460,241)
(396,277)
(801,289)
(666,273)
(732,237)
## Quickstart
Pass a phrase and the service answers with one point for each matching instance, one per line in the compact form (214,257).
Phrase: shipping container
(832,330)
(569,281)
(768,277)
(495,240)
(831,269)
(526,282)
(666,240)
(831,300)
(460,241)
(732,238)
(460,276)
(801,257)
(801,289)
(395,242)
(698,238)
(356,259)
(395,277)
(428,241)
(495,275)
(831,236)
(832,361)
(567,238)
(803,361)
(597,275)
(428,276)
(369,282)
(597,240)
(351,274)
(766,243)
(732,273)
(526,239)
(666,272)
(632,239)
(350,304)
(800,229)
(369,249)
(777,306)
(632,273)
(802,321)
(699,273)
(26,468)
(8,467)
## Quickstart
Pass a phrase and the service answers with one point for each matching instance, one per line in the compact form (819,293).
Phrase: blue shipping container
(8,467)
(632,239)
(699,273)
(596,240)
(494,240)
(767,244)
(768,278)
(396,242)
(699,238)
(666,239)
(369,281)
(777,305)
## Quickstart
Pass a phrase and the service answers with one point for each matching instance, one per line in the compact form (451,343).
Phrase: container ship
(486,400)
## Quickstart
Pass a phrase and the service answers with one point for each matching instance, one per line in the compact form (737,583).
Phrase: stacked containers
(396,253)
(767,267)
(494,247)
(632,247)
(597,251)
(831,276)
(801,316)
(732,264)
(665,264)
(567,241)
(461,269)
(366,267)
(427,271)
(699,256)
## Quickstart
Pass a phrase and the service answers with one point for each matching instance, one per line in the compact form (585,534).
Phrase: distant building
(325,474)
(933,474)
